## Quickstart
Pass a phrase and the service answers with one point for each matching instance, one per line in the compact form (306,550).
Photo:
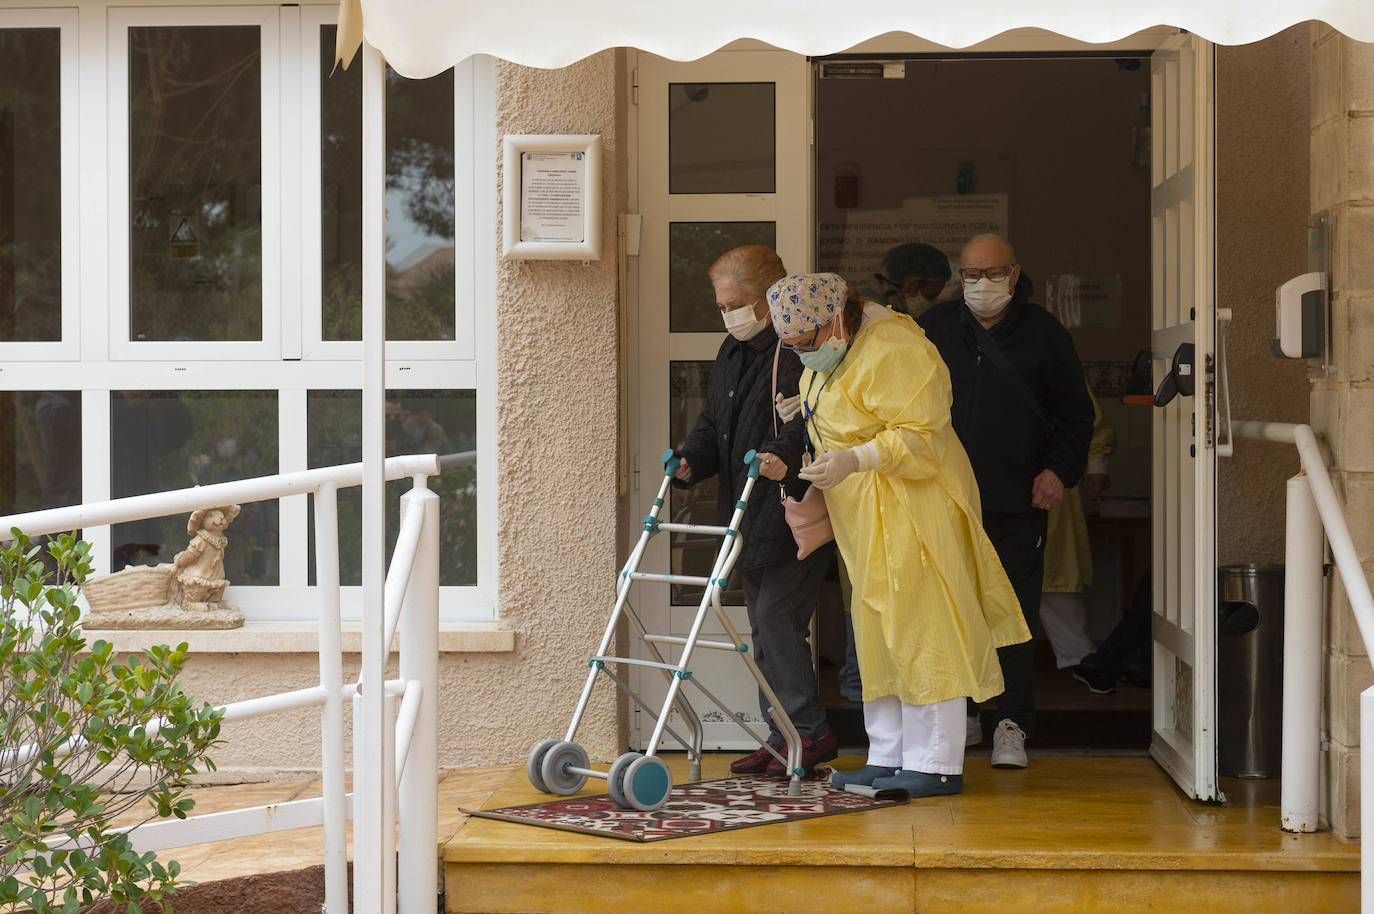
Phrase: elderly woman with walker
(780,589)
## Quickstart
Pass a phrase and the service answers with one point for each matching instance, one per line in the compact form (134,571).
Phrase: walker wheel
(615,781)
(647,783)
(536,761)
(554,768)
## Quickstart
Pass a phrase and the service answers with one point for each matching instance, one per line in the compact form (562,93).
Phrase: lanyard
(808,413)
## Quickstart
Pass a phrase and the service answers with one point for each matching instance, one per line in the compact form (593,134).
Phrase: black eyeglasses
(973,274)
(809,347)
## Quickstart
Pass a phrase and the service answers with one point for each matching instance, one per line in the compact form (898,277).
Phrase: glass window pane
(419,202)
(40,450)
(721,138)
(692,248)
(693,555)
(418,422)
(30,186)
(195,183)
(164,440)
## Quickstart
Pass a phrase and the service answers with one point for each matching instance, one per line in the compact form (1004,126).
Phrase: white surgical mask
(742,324)
(916,305)
(988,297)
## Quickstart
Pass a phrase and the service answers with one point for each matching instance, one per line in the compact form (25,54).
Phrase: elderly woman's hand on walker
(771,466)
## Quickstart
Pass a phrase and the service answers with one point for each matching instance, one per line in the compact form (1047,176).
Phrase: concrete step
(1064,835)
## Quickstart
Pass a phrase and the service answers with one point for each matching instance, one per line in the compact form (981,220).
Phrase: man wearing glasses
(1022,412)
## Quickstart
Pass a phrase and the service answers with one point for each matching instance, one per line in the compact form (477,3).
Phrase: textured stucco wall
(558,370)
(1262,210)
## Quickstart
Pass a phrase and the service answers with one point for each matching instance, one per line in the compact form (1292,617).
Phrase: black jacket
(738,416)
(1007,443)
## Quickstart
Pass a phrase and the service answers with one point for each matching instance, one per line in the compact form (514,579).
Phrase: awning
(420,38)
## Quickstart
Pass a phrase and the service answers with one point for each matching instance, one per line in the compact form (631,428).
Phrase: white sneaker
(973,731)
(1008,746)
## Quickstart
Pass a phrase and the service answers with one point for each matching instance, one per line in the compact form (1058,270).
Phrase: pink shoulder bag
(809,518)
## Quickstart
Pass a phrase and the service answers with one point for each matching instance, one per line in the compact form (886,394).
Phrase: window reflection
(721,138)
(417,422)
(692,248)
(420,254)
(40,450)
(692,554)
(195,183)
(165,440)
(30,186)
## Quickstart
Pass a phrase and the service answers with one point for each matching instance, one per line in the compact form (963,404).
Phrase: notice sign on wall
(551,191)
(552,206)
(855,247)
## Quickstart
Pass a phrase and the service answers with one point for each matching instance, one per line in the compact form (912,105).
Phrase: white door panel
(703,187)
(1184,452)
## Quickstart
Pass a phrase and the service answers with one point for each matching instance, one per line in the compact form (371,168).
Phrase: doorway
(1054,153)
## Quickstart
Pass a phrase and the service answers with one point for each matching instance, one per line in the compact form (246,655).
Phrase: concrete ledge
(300,638)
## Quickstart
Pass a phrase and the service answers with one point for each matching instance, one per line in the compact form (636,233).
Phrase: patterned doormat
(704,807)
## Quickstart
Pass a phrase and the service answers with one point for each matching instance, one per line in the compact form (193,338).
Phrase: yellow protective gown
(930,602)
(1068,551)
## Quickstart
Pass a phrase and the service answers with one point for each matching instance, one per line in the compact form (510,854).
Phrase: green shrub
(77,745)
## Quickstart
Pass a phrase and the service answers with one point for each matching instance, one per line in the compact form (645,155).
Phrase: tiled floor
(304,847)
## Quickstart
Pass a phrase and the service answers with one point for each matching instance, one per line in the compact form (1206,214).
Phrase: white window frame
(95,184)
(68,348)
(267,19)
(473,112)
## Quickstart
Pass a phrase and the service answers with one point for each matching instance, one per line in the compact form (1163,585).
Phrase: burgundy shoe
(756,762)
(814,751)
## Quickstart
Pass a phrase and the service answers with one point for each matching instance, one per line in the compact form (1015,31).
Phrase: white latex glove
(788,407)
(833,467)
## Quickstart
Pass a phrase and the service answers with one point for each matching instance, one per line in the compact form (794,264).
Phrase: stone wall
(1342,149)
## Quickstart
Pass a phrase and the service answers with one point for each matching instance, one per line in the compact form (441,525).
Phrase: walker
(643,781)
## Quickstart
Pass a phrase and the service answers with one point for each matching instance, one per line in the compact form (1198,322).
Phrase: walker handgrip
(670,462)
(754,461)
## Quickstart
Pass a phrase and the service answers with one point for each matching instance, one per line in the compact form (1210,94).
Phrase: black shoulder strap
(999,360)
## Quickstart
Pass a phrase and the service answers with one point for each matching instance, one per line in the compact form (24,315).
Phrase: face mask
(742,324)
(988,297)
(826,357)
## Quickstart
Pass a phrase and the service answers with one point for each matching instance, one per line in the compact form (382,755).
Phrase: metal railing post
(332,786)
(418,799)
(1302,656)
(371,825)
(382,893)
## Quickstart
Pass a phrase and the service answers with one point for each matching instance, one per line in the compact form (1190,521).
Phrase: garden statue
(188,593)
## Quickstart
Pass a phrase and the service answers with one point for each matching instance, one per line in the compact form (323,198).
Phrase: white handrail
(410,608)
(1329,508)
(181,501)
(1299,801)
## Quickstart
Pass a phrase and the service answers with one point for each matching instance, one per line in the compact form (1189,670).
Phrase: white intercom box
(1300,311)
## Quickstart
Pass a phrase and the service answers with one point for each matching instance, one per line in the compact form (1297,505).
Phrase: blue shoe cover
(865,776)
(920,784)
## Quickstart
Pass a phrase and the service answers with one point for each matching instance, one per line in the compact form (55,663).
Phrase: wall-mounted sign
(552,197)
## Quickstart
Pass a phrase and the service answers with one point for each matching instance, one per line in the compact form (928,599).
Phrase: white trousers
(927,738)
(1065,619)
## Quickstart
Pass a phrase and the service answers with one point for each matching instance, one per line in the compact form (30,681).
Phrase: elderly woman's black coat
(739,416)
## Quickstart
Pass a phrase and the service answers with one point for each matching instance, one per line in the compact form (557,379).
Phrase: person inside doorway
(780,590)
(1022,412)
(913,277)
(1069,564)
(930,602)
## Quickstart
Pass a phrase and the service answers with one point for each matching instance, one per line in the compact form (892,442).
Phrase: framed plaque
(552,197)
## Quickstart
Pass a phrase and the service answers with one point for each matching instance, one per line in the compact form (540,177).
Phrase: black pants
(781,600)
(1020,543)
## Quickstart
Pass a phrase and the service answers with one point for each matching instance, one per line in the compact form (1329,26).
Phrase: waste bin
(1250,670)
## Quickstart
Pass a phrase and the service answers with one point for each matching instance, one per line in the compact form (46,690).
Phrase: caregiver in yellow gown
(931,603)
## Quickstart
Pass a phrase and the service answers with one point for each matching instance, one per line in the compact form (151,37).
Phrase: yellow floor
(1068,834)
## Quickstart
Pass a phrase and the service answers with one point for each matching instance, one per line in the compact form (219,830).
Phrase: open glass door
(724,160)
(1184,456)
